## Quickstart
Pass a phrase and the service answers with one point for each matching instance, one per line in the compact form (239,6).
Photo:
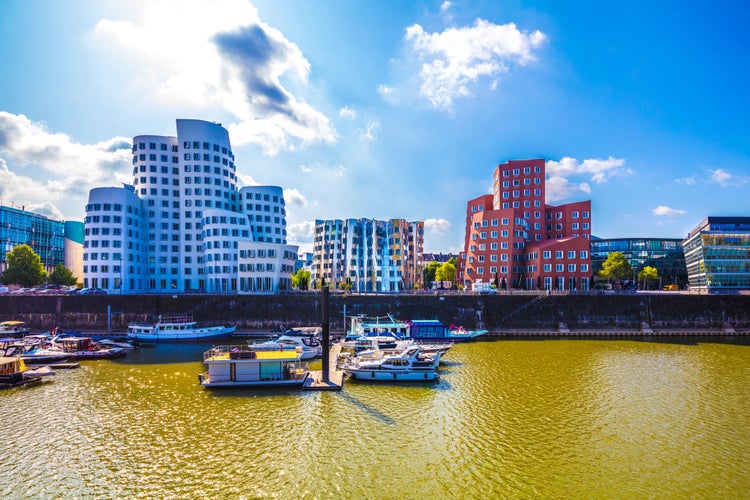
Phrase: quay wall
(493,312)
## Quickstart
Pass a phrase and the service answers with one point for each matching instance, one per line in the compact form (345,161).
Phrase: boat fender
(200,378)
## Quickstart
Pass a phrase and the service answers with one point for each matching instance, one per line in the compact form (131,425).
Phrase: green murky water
(508,419)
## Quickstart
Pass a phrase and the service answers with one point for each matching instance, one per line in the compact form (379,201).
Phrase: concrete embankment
(571,315)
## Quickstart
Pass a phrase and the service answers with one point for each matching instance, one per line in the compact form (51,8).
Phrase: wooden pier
(315,382)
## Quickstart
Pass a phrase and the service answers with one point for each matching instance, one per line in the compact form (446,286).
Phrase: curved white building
(193,217)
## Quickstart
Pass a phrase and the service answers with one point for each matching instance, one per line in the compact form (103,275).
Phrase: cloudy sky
(390,108)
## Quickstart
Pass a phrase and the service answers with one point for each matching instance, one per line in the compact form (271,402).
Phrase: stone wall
(267,312)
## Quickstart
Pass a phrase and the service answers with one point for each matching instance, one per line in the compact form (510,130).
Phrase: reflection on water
(553,418)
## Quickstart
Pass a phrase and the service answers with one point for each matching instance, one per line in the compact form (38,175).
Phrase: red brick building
(515,240)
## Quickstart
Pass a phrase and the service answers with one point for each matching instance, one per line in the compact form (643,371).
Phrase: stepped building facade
(514,239)
(183,225)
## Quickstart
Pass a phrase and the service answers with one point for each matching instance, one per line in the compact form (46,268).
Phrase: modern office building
(74,236)
(45,236)
(514,239)
(664,254)
(368,255)
(183,225)
(717,255)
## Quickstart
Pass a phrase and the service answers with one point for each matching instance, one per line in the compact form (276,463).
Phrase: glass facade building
(45,236)
(664,254)
(717,254)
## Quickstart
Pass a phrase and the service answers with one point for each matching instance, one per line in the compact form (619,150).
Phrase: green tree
(62,276)
(24,267)
(446,272)
(301,279)
(647,275)
(616,267)
(429,272)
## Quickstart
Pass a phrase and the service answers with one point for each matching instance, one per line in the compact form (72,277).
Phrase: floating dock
(315,382)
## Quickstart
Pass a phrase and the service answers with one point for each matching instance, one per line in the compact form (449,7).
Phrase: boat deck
(315,380)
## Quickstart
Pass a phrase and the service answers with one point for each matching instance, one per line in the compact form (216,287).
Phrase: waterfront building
(368,255)
(45,236)
(664,254)
(514,239)
(74,235)
(183,225)
(717,255)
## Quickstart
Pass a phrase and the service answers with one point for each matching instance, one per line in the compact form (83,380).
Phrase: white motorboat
(243,366)
(308,346)
(177,329)
(407,365)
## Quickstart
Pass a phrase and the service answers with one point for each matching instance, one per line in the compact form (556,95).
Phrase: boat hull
(205,382)
(380,375)
(196,335)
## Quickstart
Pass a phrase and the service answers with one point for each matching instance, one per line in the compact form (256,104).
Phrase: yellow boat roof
(12,323)
(276,354)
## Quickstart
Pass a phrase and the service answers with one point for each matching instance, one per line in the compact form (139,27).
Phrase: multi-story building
(717,255)
(183,225)
(45,236)
(664,254)
(514,239)
(368,255)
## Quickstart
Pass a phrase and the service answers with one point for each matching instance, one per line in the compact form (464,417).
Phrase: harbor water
(508,419)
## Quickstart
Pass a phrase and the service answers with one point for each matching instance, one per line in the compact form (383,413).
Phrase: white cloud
(385,90)
(599,170)
(721,177)
(458,57)
(370,132)
(294,197)
(347,112)
(221,55)
(301,232)
(559,188)
(437,226)
(51,170)
(665,211)
(445,6)
(316,168)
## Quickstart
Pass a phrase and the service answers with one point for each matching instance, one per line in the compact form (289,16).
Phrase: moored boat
(177,329)
(308,345)
(409,365)
(429,330)
(242,366)
(86,348)
(13,329)
(14,373)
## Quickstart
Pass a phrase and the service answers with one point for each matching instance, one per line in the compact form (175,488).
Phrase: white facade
(190,217)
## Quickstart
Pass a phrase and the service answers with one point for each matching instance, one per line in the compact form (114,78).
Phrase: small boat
(434,330)
(177,329)
(86,348)
(13,329)
(109,343)
(308,345)
(14,373)
(409,365)
(243,366)
(42,355)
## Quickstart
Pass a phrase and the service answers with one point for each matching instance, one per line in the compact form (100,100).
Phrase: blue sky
(393,108)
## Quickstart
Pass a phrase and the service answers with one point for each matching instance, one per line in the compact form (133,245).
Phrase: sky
(390,109)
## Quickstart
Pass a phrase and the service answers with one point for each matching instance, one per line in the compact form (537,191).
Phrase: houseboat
(243,366)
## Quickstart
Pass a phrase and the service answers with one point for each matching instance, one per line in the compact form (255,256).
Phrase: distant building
(717,255)
(183,225)
(45,236)
(368,255)
(438,257)
(74,235)
(514,239)
(664,254)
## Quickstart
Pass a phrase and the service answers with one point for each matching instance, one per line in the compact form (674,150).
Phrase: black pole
(326,336)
